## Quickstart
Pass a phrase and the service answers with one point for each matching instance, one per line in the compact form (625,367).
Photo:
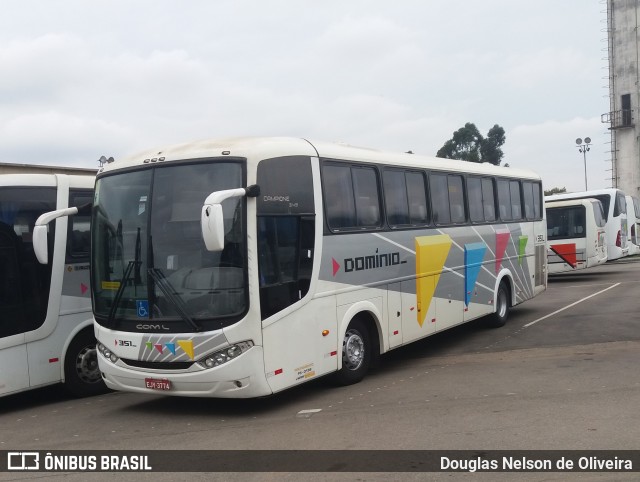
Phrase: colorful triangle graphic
(473,255)
(567,253)
(336,266)
(522,247)
(171,347)
(187,346)
(502,240)
(431,255)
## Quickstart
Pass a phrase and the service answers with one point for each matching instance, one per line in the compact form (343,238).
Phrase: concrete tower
(624,89)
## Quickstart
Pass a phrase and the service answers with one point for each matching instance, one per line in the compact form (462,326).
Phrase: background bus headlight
(223,356)
(107,353)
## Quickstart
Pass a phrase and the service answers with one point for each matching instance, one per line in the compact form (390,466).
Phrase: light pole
(583,149)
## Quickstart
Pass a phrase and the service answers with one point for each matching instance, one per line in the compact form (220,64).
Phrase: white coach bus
(615,212)
(633,224)
(576,237)
(46,325)
(242,267)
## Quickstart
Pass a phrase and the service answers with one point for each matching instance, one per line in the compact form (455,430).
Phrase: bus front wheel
(82,376)
(356,353)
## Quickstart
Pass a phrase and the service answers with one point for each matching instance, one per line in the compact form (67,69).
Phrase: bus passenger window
(516,202)
(78,235)
(417,194)
(405,198)
(537,198)
(456,199)
(527,187)
(338,194)
(504,200)
(395,197)
(439,198)
(365,187)
(474,191)
(10,296)
(488,200)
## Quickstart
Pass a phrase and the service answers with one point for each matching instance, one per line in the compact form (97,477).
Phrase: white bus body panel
(242,377)
(14,376)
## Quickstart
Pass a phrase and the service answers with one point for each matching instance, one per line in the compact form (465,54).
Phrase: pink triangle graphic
(336,266)
(83,288)
(502,239)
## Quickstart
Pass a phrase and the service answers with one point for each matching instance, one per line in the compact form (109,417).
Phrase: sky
(82,79)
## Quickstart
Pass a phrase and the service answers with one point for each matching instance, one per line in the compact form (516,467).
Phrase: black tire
(356,354)
(82,376)
(503,303)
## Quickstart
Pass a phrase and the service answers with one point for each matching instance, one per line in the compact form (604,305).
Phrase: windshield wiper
(118,296)
(169,291)
(135,263)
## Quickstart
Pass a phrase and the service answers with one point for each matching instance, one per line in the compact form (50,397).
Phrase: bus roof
(45,180)
(258,148)
(582,194)
(570,202)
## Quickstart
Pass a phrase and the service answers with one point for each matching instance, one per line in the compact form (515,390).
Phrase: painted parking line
(308,413)
(570,306)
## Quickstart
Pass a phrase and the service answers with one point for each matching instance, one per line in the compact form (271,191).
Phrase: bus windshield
(566,222)
(150,268)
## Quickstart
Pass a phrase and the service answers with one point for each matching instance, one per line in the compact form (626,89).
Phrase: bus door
(286,234)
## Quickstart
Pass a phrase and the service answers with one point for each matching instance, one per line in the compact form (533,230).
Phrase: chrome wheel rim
(87,365)
(353,350)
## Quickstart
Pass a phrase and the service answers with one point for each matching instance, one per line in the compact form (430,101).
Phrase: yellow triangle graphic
(431,254)
(187,346)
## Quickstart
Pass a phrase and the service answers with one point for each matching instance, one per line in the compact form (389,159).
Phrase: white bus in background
(576,237)
(46,331)
(615,212)
(275,261)
(633,223)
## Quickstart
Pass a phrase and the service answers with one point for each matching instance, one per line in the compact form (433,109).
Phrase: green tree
(555,190)
(467,144)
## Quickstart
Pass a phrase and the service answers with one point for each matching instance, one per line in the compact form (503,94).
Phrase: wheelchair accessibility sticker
(142,307)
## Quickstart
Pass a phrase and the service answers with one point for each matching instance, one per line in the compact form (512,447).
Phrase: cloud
(549,148)
(60,139)
(112,78)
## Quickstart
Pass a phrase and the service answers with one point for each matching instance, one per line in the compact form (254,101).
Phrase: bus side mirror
(40,237)
(212,218)
(212,222)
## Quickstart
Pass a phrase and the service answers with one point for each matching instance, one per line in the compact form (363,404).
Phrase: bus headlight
(107,353)
(223,356)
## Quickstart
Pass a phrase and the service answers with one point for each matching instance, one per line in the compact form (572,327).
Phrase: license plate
(157,384)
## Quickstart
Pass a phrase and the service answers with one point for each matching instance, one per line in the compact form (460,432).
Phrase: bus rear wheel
(82,376)
(356,353)
(499,318)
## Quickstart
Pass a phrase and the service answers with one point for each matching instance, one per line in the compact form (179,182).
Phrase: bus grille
(158,365)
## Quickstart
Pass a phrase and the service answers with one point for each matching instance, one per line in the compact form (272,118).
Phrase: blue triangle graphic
(473,255)
(171,347)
